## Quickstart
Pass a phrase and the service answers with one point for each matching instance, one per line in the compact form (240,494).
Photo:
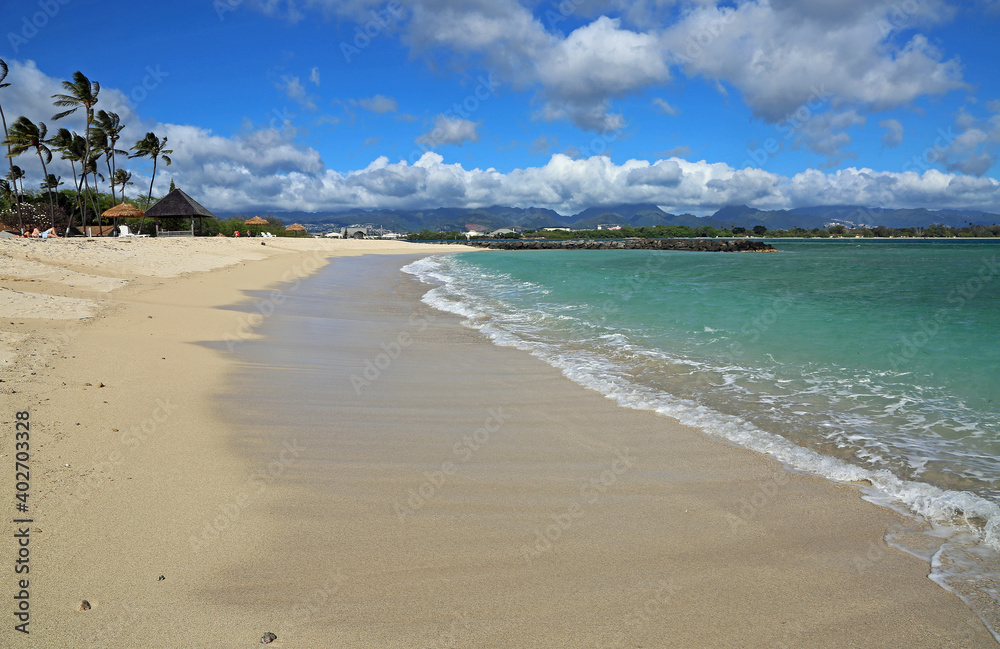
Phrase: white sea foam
(960,518)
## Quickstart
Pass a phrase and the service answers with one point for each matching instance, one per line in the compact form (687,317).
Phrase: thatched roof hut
(256,221)
(123,211)
(177,204)
(296,227)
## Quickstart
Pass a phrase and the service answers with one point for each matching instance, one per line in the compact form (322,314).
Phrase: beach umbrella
(123,211)
(295,227)
(256,221)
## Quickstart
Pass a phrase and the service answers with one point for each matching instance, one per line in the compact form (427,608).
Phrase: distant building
(608,226)
(557,229)
(502,231)
(357,231)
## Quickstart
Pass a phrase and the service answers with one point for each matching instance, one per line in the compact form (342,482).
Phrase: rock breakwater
(695,245)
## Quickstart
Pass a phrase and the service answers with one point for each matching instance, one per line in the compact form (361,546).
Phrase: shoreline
(435,521)
(160,461)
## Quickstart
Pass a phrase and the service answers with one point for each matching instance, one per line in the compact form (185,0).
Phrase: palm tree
(24,135)
(81,92)
(109,128)
(71,146)
(99,148)
(51,182)
(90,167)
(122,178)
(10,158)
(151,147)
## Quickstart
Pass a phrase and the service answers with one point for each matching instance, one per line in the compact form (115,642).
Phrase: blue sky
(320,105)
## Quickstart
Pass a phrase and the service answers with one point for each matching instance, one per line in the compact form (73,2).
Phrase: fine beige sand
(466,496)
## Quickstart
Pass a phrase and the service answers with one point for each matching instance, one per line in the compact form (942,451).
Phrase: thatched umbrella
(295,227)
(256,221)
(123,211)
(178,204)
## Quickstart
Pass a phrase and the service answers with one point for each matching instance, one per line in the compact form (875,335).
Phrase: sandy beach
(229,439)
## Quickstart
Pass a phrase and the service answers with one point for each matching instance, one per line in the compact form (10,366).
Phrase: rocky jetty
(696,245)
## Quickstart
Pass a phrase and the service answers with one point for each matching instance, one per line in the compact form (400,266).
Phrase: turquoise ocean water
(872,362)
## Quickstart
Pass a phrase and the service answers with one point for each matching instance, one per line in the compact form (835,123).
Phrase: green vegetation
(428,235)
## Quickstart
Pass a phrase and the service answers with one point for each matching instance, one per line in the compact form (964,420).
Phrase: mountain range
(498,216)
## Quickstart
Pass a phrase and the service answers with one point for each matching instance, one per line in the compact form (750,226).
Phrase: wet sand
(335,462)
(450,493)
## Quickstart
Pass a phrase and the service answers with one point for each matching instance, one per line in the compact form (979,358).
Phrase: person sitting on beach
(35,234)
(49,234)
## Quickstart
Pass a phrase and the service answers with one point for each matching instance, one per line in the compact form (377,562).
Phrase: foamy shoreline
(123,473)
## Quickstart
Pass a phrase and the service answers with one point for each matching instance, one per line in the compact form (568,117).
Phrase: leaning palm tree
(24,135)
(109,127)
(151,147)
(10,158)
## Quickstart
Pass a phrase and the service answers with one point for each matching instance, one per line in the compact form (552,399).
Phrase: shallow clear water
(870,361)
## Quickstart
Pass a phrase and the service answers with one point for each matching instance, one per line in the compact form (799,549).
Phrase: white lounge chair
(125,232)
